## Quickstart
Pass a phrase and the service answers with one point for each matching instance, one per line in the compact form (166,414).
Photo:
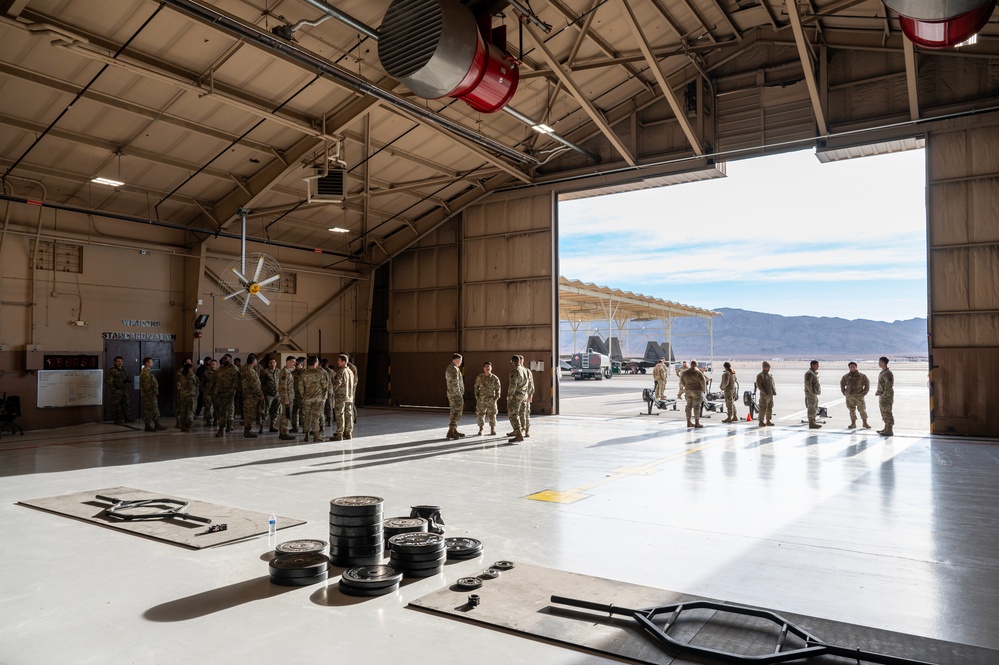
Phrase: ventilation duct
(439,49)
(940,24)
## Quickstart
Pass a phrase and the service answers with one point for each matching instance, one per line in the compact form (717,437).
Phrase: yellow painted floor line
(579,493)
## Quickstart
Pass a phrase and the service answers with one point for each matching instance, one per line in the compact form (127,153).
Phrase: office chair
(10,410)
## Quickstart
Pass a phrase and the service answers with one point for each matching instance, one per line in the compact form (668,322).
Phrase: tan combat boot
(866,426)
(452,433)
(852,425)
(887,431)
(248,432)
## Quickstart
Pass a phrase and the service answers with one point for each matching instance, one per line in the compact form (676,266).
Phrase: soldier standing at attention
(118,385)
(187,397)
(269,386)
(766,389)
(455,395)
(226,383)
(886,396)
(812,392)
(730,391)
(200,373)
(286,397)
(659,374)
(855,386)
(487,394)
(525,413)
(343,389)
(315,387)
(253,395)
(353,398)
(237,399)
(516,397)
(297,410)
(679,373)
(149,388)
(693,385)
(324,365)
(208,391)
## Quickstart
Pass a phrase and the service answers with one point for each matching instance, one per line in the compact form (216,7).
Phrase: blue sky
(783,234)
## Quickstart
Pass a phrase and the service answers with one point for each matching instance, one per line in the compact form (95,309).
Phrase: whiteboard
(74,387)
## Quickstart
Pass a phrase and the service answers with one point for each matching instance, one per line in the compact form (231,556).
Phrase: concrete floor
(900,534)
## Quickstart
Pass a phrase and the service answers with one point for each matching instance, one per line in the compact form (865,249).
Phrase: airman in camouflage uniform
(487,394)
(679,373)
(118,383)
(269,385)
(693,384)
(730,391)
(149,388)
(187,397)
(237,399)
(812,392)
(516,397)
(315,387)
(226,383)
(253,395)
(297,413)
(659,375)
(208,392)
(886,396)
(765,390)
(286,397)
(324,365)
(344,387)
(455,395)
(855,387)
(525,412)
(353,398)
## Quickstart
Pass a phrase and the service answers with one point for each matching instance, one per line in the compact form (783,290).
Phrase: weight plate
(416,542)
(363,541)
(463,548)
(429,572)
(355,520)
(355,561)
(405,524)
(469,583)
(415,565)
(503,565)
(435,555)
(299,581)
(304,546)
(465,554)
(351,552)
(349,590)
(298,565)
(371,577)
(356,531)
(352,506)
(491,573)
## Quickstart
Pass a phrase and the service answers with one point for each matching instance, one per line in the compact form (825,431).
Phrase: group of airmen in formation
(520,393)
(307,395)
(853,385)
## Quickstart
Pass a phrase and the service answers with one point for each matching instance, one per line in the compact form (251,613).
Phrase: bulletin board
(78,387)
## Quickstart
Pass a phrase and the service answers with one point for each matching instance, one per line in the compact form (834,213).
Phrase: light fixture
(337,229)
(108,181)
(542,128)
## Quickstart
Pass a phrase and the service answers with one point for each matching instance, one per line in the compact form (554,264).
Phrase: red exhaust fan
(438,48)
(940,24)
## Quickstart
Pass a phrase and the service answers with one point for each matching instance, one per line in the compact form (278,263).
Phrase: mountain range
(742,334)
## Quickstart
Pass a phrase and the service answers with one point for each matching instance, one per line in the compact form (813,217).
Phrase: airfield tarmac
(622,395)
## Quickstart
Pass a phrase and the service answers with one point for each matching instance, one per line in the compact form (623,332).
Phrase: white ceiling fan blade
(246,303)
(260,264)
(233,295)
(261,296)
(270,279)
(240,275)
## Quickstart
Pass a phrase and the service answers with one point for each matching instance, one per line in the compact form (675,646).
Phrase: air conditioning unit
(329,187)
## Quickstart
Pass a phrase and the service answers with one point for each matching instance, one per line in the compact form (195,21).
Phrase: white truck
(590,365)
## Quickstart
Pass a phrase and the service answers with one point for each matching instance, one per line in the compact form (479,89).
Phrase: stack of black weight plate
(397,525)
(299,569)
(463,548)
(356,537)
(417,554)
(370,580)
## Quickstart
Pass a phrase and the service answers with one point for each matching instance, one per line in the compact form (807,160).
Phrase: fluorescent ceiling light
(337,229)
(542,128)
(108,182)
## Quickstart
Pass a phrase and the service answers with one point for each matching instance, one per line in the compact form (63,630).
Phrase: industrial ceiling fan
(247,279)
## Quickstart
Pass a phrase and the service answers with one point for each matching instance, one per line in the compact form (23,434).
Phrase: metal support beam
(667,91)
(595,115)
(806,65)
(911,78)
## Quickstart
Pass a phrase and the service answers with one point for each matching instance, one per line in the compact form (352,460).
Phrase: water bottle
(272,531)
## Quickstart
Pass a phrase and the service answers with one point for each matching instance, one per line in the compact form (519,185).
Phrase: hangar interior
(148,148)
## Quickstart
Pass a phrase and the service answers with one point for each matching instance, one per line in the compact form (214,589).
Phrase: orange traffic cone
(749,417)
